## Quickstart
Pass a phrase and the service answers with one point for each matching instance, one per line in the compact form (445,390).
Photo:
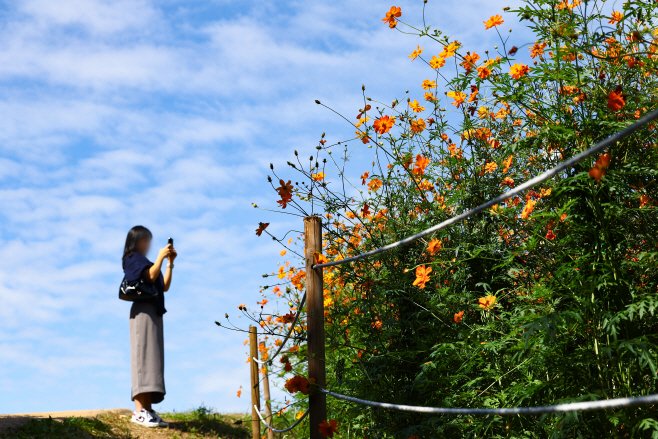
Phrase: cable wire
(527,185)
(559,408)
(285,429)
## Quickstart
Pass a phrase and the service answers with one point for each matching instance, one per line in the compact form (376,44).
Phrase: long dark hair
(135,235)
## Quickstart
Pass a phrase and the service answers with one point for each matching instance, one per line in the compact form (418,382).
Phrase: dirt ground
(180,426)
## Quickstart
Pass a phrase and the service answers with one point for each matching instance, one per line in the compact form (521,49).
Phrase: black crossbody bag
(139,291)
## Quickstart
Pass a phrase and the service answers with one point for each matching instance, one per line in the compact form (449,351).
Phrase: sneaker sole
(144,425)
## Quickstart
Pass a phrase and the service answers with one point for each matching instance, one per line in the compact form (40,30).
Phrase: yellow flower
(416,53)
(437,62)
(318,177)
(449,50)
(495,20)
(519,70)
(427,84)
(362,121)
(416,107)
(490,167)
(487,302)
(458,96)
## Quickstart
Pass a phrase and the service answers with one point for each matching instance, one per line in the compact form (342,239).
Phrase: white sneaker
(145,419)
(159,419)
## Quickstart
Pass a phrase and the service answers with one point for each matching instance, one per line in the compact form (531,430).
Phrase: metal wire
(527,185)
(285,429)
(559,408)
(292,328)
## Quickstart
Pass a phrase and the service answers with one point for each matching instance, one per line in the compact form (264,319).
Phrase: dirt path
(19,419)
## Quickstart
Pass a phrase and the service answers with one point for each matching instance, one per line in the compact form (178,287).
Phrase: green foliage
(558,288)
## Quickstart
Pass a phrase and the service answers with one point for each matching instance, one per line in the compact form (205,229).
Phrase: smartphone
(171,241)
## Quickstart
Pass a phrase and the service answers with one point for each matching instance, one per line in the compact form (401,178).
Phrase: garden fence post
(255,390)
(268,404)
(315,324)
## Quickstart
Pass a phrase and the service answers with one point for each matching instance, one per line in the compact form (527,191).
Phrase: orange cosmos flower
(449,50)
(261,228)
(487,302)
(459,316)
(384,124)
(417,126)
(616,17)
(327,429)
(437,62)
(599,169)
(616,99)
(508,182)
(416,107)
(320,258)
(490,167)
(391,16)
(527,210)
(283,252)
(644,200)
(459,97)
(519,70)
(318,177)
(365,211)
(434,246)
(507,163)
(483,72)
(429,96)
(239,393)
(420,165)
(363,178)
(495,20)
(422,276)
(416,53)
(427,84)
(537,49)
(550,235)
(375,184)
(285,192)
(469,61)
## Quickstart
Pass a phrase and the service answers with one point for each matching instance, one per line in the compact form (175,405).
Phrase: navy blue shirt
(133,267)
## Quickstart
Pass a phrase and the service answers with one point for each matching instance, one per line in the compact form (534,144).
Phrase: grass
(205,422)
(71,428)
(200,423)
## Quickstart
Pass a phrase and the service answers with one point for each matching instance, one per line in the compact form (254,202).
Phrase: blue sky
(167,113)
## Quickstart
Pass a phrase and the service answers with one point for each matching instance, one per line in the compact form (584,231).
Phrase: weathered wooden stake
(255,388)
(315,324)
(268,403)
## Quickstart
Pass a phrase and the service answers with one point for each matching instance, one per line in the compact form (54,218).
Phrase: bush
(548,298)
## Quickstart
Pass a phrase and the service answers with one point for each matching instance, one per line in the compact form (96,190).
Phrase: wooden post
(255,388)
(317,403)
(268,403)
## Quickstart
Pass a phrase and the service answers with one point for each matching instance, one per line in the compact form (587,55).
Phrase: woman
(146,330)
